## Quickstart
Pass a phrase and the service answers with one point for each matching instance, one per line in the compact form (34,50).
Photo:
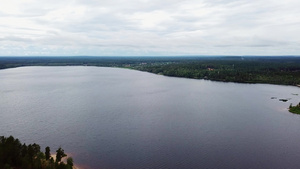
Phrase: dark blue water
(118,118)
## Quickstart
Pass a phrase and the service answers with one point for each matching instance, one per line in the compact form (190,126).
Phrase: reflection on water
(119,118)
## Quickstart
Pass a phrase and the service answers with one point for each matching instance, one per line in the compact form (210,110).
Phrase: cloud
(144,27)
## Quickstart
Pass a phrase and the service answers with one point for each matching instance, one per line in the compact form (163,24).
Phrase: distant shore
(284,70)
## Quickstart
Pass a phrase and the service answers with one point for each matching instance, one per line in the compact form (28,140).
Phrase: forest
(283,70)
(15,155)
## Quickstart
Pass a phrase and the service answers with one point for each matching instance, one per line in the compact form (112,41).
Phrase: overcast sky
(149,27)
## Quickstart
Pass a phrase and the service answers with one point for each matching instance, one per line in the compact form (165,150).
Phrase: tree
(70,161)
(60,154)
(36,148)
(30,152)
(47,153)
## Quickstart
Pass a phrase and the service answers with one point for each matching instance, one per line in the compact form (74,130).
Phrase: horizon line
(153,56)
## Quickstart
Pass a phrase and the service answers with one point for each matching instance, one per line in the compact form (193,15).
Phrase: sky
(149,27)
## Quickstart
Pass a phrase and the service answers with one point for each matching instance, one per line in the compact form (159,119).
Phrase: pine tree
(47,153)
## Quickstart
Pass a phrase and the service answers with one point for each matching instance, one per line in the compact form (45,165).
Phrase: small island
(294,109)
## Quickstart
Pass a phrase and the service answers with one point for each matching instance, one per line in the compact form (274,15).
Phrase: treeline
(15,155)
(11,62)
(280,71)
(273,70)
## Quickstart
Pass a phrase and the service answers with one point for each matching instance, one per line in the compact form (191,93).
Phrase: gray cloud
(143,27)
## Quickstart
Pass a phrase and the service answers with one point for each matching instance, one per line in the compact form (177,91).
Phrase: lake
(124,119)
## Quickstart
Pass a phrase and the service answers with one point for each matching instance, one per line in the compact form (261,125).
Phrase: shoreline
(132,68)
(64,159)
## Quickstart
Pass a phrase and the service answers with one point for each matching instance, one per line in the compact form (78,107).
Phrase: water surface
(118,118)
